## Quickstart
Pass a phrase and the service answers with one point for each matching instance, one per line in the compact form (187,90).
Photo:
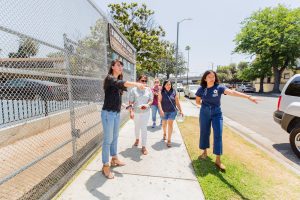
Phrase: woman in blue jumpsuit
(209,97)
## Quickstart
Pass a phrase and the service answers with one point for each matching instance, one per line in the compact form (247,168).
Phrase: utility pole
(176,55)
(188,48)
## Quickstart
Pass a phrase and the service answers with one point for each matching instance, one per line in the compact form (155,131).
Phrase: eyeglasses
(156,81)
(144,81)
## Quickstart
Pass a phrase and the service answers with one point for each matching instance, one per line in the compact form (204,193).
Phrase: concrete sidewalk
(165,173)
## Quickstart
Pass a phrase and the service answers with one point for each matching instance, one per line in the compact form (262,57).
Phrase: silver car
(190,91)
(245,88)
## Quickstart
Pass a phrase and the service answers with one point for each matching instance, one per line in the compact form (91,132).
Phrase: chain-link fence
(53,59)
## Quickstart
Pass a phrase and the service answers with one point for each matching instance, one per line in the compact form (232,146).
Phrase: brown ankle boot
(107,173)
(116,162)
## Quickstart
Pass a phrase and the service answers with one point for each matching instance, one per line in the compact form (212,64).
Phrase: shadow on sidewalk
(134,153)
(149,128)
(206,167)
(162,145)
(95,182)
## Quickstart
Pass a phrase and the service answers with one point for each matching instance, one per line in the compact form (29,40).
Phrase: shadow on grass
(204,167)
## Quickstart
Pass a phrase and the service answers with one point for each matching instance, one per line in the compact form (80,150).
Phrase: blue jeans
(211,116)
(111,125)
(169,115)
(154,109)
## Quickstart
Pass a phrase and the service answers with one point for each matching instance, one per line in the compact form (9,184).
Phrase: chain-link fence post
(74,131)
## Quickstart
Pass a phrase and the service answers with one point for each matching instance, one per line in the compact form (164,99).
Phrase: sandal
(169,144)
(221,167)
(136,142)
(116,162)
(202,156)
(144,151)
(110,175)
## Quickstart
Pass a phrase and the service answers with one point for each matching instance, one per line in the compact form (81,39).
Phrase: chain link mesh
(53,60)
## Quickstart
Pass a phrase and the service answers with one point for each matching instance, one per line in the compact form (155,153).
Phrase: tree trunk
(277,78)
(168,75)
(261,84)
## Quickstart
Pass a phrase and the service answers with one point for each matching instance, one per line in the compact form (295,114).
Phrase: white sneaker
(153,125)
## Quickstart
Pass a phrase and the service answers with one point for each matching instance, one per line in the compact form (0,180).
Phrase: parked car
(288,111)
(179,87)
(228,85)
(245,88)
(30,89)
(190,91)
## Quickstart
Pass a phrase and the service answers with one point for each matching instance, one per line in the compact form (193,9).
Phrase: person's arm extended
(239,94)
(134,84)
(123,84)
(178,104)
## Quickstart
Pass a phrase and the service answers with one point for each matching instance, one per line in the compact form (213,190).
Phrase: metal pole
(188,66)
(176,56)
(72,111)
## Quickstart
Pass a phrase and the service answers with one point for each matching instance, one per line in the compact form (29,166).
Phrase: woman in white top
(141,101)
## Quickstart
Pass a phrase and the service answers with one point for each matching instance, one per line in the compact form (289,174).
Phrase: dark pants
(211,116)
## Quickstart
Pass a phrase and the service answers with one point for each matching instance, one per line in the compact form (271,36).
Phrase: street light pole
(188,48)
(176,55)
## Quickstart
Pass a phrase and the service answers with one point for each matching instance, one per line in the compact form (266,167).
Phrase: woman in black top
(110,115)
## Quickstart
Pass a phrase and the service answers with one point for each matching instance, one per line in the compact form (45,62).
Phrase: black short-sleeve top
(113,94)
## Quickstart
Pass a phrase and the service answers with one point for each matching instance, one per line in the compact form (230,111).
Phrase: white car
(245,88)
(190,91)
(179,87)
(288,111)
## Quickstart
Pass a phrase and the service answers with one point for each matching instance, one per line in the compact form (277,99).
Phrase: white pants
(140,123)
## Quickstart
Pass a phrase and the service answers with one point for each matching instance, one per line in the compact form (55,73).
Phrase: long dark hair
(164,84)
(142,76)
(110,73)
(203,81)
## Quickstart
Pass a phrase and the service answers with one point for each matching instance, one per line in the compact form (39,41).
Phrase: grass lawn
(250,173)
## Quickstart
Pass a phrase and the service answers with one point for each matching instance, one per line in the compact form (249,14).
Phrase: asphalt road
(259,118)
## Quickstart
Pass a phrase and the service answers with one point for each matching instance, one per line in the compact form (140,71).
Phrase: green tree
(242,65)
(27,48)
(257,69)
(273,34)
(137,25)
(168,62)
(228,73)
(224,73)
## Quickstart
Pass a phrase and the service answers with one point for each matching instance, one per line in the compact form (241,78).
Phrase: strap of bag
(171,101)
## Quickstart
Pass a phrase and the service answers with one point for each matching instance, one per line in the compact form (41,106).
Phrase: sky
(211,31)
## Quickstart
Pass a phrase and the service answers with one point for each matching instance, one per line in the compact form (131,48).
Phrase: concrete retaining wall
(20,131)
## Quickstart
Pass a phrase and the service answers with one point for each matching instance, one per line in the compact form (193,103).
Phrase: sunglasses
(144,81)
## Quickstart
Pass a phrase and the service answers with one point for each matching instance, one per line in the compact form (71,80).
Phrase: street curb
(261,142)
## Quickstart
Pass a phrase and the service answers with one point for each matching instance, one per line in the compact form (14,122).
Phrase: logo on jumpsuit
(215,94)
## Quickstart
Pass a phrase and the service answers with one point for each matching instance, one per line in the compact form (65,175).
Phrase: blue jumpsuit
(211,115)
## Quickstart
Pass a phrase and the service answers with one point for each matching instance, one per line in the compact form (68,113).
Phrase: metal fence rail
(53,59)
